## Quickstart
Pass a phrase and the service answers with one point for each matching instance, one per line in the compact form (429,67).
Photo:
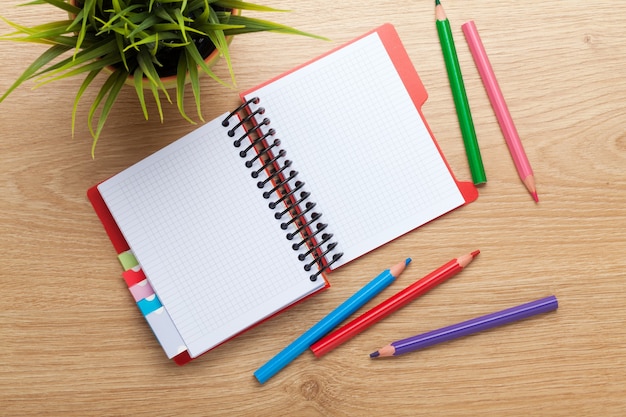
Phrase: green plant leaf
(19,28)
(30,34)
(57,40)
(119,40)
(41,31)
(157,99)
(145,24)
(203,29)
(194,80)
(173,27)
(204,6)
(61,4)
(154,39)
(117,7)
(145,62)
(192,50)
(163,14)
(138,82)
(86,82)
(181,75)
(110,89)
(242,5)
(95,52)
(43,59)
(91,66)
(88,8)
(259,25)
(221,44)
(181,24)
(118,16)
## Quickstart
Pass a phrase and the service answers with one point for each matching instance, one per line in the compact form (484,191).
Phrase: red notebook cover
(411,82)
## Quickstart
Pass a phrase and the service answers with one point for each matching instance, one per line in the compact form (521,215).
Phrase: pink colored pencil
(500,108)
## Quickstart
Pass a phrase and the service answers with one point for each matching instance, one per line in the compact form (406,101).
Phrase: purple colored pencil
(468,327)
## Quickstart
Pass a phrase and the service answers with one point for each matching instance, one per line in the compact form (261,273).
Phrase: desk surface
(74,343)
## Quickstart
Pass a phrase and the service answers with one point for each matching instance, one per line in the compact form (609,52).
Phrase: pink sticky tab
(133,277)
(141,290)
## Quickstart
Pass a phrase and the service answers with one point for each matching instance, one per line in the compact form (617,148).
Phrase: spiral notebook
(246,215)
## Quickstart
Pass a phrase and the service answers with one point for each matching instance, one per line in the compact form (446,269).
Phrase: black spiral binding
(285,186)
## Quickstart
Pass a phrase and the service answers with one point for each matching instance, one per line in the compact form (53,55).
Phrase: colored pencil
(343,311)
(468,327)
(500,108)
(394,303)
(459,95)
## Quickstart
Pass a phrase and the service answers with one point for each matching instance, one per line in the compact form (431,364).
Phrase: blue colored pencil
(352,304)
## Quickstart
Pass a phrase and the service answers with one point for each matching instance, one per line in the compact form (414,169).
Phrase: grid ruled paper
(205,237)
(351,129)
(207,240)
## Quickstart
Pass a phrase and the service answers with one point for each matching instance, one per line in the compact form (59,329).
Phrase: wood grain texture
(74,344)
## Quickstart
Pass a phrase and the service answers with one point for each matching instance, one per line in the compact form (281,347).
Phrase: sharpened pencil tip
(535,196)
(408,261)
(437,2)
(475,253)
(529,182)
(374,354)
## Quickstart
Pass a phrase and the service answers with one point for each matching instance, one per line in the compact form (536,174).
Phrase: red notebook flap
(469,191)
(412,82)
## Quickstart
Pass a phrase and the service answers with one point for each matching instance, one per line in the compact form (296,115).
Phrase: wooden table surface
(74,343)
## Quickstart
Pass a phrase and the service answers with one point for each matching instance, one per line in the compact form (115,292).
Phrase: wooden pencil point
(529,183)
(385,351)
(535,196)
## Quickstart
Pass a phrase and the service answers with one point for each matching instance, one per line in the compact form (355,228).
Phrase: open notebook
(244,216)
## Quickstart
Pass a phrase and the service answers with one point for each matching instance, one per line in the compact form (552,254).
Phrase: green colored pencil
(460,96)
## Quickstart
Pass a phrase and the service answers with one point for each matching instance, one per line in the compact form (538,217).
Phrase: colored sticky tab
(128,260)
(133,277)
(149,304)
(141,290)
(165,331)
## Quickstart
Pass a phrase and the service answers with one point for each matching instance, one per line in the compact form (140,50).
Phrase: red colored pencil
(397,301)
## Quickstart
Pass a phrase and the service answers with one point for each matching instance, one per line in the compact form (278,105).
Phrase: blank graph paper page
(348,124)
(205,238)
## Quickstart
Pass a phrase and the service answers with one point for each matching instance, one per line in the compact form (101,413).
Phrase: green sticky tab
(128,260)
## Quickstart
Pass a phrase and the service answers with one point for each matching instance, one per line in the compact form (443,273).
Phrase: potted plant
(153,45)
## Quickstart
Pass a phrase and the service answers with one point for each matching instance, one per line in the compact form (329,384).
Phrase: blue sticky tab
(149,304)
